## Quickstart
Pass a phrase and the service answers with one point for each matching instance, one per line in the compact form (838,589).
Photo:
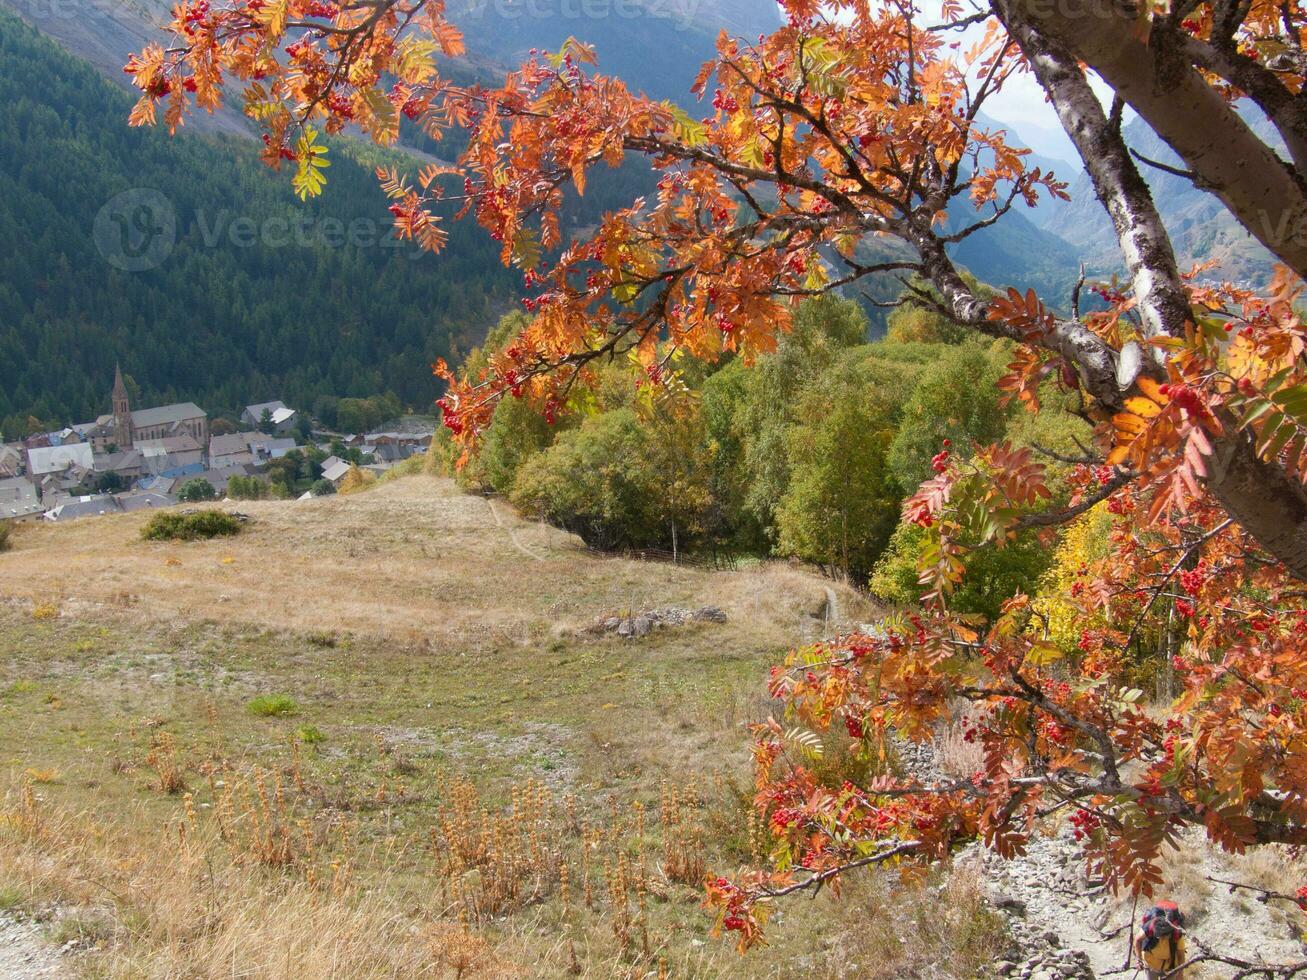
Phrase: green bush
(273,706)
(195,490)
(309,735)
(993,574)
(4,537)
(842,502)
(190,525)
(517,432)
(956,398)
(621,482)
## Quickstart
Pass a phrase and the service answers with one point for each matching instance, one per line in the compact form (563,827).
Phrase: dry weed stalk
(162,758)
(683,850)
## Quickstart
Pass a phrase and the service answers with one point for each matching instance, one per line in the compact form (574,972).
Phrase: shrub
(4,537)
(190,525)
(955,399)
(322,488)
(619,482)
(196,490)
(273,706)
(358,479)
(517,432)
(993,573)
(309,735)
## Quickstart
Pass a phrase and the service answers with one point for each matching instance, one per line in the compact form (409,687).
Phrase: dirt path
(512,534)
(832,611)
(25,954)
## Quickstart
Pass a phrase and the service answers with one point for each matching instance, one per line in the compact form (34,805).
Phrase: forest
(239,311)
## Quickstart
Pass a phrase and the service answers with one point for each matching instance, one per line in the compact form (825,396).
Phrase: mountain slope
(1201,228)
(208,281)
(655,46)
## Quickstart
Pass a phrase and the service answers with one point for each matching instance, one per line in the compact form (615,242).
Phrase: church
(124,428)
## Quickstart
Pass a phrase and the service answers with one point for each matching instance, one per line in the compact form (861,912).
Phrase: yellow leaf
(1152,389)
(1044,652)
(1143,407)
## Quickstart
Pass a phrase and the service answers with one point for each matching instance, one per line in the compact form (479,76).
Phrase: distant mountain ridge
(1201,227)
(656,46)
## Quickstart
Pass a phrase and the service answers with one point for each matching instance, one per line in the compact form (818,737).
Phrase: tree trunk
(1155,79)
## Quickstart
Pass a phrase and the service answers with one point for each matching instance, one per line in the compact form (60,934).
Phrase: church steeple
(122,413)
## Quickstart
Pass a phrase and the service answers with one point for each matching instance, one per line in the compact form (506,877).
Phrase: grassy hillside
(352,691)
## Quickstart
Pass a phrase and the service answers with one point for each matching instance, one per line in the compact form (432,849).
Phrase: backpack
(1163,921)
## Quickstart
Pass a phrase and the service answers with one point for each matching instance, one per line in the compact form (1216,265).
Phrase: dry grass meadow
(374,736)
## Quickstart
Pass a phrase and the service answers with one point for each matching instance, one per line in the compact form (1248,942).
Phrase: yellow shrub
(356,480)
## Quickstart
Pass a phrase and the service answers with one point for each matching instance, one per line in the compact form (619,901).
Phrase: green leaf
(526,249)
(626,291)
(807,742)
(688,129)
(415,60)
(312,160)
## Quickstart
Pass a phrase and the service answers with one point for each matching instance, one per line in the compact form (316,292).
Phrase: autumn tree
(853,125)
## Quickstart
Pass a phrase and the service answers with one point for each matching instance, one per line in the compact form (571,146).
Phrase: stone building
(123,428)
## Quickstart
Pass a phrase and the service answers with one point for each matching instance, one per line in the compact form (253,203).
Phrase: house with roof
(160,484)
(104,504)
(128,464)
(61,461)
(96,505)
(171,454)
(334,469)
(11,461)
(19,501)
(283,419)
(143,500)
(232,449)
(267,447)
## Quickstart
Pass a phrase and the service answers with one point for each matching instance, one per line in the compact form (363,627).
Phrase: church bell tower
(122,413)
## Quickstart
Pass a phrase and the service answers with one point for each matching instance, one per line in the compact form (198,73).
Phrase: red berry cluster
(340,105)
(286,153)
(939,462)
(1084,823)
(854,726)
(726,103)
(1192,580)
(1183,396)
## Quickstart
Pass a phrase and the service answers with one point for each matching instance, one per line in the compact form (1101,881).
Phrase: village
(142,459)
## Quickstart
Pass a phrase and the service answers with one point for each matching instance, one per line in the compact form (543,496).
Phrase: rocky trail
(1066,926)
(25,954)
